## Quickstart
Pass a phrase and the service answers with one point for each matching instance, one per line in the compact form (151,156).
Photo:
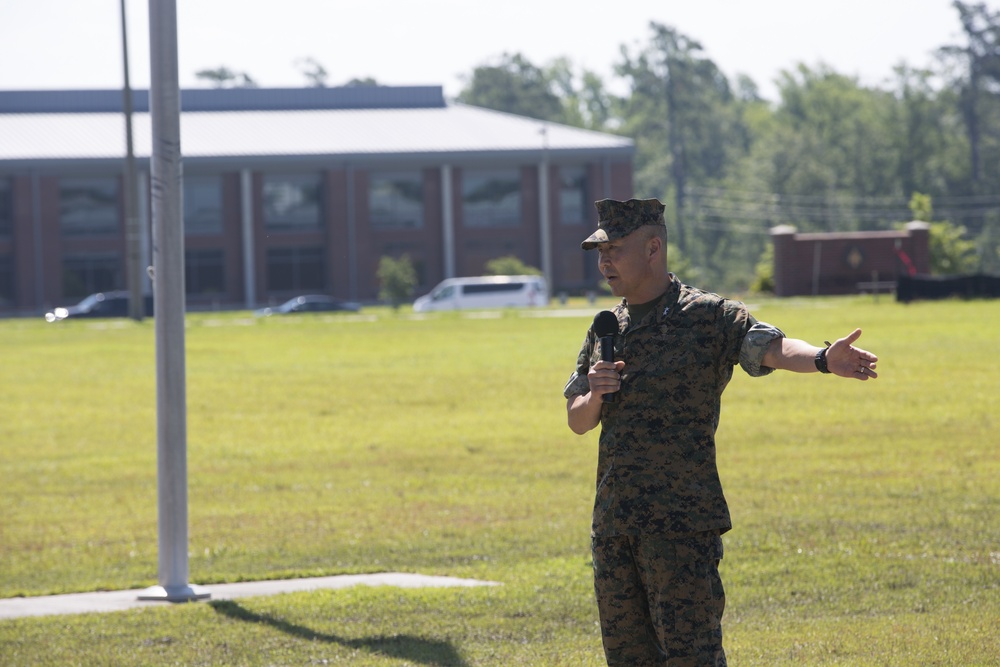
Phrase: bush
(510,266)
(951,251)
(397,278)
(763,280)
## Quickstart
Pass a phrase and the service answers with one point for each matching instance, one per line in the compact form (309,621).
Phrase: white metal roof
(454,130)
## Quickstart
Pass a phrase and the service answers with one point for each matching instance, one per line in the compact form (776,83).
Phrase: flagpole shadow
(404,647)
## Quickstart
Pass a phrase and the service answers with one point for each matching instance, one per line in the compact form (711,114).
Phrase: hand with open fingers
(847,361)
(605,377)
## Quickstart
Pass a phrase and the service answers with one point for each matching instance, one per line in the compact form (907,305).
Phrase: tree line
(830,154)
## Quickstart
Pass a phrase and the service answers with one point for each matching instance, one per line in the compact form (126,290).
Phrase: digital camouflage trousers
(660,600)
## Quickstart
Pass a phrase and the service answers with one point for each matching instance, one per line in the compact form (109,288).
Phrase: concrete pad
(105,601)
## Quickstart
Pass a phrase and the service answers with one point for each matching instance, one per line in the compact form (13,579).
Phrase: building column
(544,220)
(447,222)
(920,233)
(246,219)
(145,242)
(816,266)
(352,236)
(36,226)
(783,239)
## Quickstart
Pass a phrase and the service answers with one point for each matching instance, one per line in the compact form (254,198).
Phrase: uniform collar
(665,304)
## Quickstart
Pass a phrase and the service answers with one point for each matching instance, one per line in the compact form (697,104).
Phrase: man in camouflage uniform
(659,510)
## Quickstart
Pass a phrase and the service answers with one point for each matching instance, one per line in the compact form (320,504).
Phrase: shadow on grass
(404,647)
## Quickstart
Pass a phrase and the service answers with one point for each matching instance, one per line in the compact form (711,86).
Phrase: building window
(573,204)
(6,208)
(491,198)
(88,206)
(396,200)
(295,270)
(6,282)
(292,201)
(86,274)
(204,272)
(202,205)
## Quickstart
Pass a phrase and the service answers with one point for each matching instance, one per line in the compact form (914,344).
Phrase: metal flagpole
(168,293)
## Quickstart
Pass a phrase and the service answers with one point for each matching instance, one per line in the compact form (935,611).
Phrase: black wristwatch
(821,359)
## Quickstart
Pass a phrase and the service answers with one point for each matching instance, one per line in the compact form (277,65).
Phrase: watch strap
(820,360)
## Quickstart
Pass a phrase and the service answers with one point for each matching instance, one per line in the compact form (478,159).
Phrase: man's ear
(655,245)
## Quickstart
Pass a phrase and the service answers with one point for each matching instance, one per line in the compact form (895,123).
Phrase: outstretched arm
(842,358)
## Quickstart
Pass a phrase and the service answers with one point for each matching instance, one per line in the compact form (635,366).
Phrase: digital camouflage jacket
(656,470)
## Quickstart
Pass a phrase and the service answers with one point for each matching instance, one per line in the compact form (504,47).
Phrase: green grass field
(867,515)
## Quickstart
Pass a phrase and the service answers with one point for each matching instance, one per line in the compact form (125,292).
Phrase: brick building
(847,262)
(297,190)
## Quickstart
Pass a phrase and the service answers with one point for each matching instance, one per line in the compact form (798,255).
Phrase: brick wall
(847,262)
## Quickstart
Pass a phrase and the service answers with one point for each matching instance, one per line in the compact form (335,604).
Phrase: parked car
(310,303)
(100,304)
(485,292)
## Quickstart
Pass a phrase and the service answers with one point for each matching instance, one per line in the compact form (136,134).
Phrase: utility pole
(168,289)
(133,233)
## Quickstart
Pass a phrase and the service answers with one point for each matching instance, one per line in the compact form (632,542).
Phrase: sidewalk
(104,601)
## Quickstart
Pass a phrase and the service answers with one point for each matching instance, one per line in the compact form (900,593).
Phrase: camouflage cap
(618,219)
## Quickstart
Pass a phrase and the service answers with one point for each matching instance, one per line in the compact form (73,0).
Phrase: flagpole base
(187,593)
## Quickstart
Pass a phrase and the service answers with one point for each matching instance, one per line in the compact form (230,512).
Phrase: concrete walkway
(104,601)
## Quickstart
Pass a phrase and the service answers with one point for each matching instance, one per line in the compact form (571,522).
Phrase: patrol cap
(618,219)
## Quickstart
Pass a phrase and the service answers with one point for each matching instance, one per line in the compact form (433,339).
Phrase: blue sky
(76,43)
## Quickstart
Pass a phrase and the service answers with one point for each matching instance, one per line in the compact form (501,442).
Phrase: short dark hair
(656,230)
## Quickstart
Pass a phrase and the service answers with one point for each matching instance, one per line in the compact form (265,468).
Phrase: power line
(869,201)
(733,227)
(724,210)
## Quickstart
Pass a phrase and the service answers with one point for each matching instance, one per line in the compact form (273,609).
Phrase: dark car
(310,303)
(101,304)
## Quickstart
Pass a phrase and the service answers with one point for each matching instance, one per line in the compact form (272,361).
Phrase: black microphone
(605,328)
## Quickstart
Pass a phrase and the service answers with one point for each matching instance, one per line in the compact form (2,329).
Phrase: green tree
(514,85)
(313,71)
(223,77)
(988,246)
(763,280)
(951,251)
(679,265)
(977,88)
(928,152)
(682,113)
(510,266)
(584,99)
(836,135)
(921,207)
(397,279)
(828,154)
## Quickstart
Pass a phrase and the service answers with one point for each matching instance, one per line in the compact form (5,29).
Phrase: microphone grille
(605,324)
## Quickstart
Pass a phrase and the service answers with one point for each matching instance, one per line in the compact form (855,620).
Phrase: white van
(485,292)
